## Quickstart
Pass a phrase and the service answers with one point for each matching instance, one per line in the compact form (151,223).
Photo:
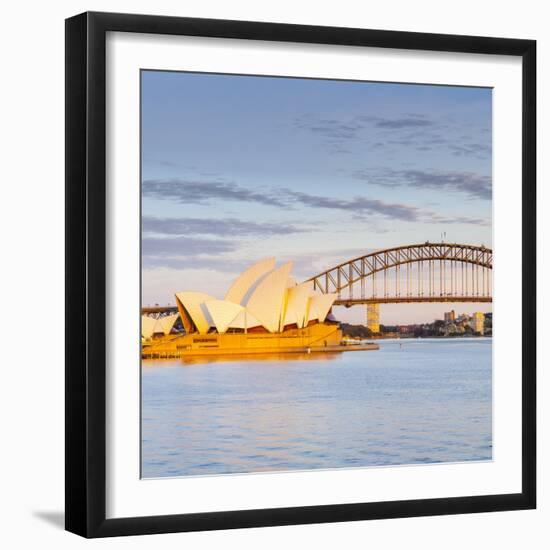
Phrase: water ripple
(427,402)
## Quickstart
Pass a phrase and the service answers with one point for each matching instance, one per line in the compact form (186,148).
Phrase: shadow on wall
(57,519)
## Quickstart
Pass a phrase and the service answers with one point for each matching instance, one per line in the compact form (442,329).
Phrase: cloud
(339,133)
(362,206)
(475,185)
(187,245)
(400,123)
(193,252)
(193,192)
(305,265)
(479,150)
(183,246)
(416,131)
(338,149)
(335,133)
(201,192)
(358,205)
(331,128)
(436,218)
(350,128)
(222,264)
(227,227)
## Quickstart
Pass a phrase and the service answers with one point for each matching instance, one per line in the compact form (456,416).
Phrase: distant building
(373,318)
(478,322)
(450,316)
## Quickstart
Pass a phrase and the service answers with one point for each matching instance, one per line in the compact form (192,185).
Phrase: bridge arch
(433,272)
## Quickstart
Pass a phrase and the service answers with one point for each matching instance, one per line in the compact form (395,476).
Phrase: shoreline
(433,337)
(367,346)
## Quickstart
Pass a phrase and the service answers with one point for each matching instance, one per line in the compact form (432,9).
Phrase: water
(411,402)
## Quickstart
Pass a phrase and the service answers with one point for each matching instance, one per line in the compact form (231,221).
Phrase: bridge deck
(348,302)
(412,300)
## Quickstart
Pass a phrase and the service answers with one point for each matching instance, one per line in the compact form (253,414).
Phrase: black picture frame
(86,274)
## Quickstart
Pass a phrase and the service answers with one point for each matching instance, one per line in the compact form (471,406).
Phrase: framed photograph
(300,274)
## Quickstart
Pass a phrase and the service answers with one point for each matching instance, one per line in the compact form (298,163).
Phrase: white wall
(31,224)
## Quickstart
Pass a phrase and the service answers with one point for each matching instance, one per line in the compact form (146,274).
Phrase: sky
(237,168)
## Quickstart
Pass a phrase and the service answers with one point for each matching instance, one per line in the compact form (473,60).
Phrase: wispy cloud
(361,206)
(201,192)
(226,227)
(222,264)
(400,123)
(351,127)
(478,150)
(358,205)
(191,253)
(331,128)
(185,191)
(196,252)
(465,220)
(475,185)
(410,130)
(184,246)
(305,266)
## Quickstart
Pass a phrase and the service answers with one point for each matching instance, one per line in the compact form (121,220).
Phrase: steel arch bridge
(429,272)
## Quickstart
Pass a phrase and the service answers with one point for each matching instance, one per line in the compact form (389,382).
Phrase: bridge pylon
(373,318)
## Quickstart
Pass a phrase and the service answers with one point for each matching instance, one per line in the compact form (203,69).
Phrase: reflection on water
(413,401)
(240,358)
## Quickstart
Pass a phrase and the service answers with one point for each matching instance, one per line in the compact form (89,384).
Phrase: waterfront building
(264,310)
(373,318)
(449,316)
(262,299)
(478,322)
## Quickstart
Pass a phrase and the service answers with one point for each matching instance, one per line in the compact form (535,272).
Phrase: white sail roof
(296,305)
(223,313)
(263,295)
(267,300)
(147,326)
(318,307)
(245,280)
(245,320)
(166,324)
(191,306)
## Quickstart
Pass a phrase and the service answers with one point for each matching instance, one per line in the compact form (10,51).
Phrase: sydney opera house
(263,311)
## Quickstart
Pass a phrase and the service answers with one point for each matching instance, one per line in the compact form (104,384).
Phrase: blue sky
(235,168)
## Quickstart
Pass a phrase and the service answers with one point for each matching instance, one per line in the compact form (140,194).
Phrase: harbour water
(412,402)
